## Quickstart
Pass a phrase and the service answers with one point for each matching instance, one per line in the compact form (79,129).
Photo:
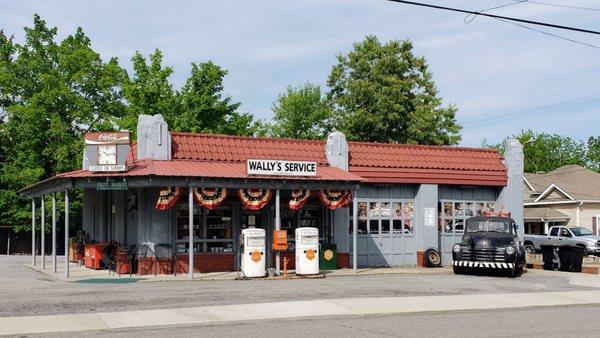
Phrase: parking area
(28,292)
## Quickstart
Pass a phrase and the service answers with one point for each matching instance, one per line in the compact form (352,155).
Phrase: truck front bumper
(490,265)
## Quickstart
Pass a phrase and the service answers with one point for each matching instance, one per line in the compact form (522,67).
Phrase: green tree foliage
(545,152)
(198,107)
(384,93)
(593,153)
(149,91)
(300,113)
(50,94)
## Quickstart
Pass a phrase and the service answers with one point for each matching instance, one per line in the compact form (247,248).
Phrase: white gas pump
(307,251)
(253,252)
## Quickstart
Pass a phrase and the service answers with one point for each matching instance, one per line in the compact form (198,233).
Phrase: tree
(198,107)
(149,91)
(385,93)
(51,93)
(545,152)
(300,113)
(593,153)
(204,109)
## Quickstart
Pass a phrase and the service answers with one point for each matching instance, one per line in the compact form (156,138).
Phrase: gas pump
(307,256)
(253,252)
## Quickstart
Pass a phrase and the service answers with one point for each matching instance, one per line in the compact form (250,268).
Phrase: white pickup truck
(561,235)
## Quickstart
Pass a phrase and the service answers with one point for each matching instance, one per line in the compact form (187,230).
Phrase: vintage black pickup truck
(490,243)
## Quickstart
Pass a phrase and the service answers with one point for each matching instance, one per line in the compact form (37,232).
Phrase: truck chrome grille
(483,255)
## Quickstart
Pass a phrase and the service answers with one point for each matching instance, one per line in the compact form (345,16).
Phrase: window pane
(408,226)
(397,226)
(374,226)
(373,210)
(397,206)
(447,227)
(490,206)
(362,217)
(408,209)
(459,225)
(470,209)
(479,209)
(447,209)
(459,208)
(385,226)
(385,211)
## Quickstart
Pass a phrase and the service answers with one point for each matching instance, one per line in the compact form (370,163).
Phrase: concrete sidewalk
(289,310)
(80,273)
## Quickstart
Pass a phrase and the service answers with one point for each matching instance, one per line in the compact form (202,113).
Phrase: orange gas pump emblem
(310,254)
(256,256)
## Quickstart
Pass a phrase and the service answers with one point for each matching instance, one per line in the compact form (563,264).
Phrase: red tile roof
(376,162)
(224,148)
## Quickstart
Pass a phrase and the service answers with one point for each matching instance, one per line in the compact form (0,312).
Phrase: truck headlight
(510,250)
(456,248)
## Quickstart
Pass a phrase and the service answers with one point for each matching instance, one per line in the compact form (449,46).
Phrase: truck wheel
(530,249)
(432,258)
(517,271)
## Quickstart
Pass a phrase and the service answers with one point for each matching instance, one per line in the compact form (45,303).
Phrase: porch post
(354,229)
(277,227)
(43,236)
(33,231)
(191,233)
(66,234)
(545,227)
(54,232)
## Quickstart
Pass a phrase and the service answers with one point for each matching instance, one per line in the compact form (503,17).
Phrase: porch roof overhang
(149,173)
(544,213)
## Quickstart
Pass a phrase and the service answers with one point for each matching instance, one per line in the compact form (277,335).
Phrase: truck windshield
(581,232)
(488,225)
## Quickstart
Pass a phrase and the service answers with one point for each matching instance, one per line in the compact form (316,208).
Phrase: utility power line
(563,6)
(532,111)
(531,22)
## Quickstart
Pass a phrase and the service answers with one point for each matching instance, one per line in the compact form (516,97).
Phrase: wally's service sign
(281,168)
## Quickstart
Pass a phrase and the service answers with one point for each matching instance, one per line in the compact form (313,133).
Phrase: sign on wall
(111,184)
(429,217)
(281,168)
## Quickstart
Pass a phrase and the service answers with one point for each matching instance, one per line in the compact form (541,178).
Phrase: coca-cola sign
(107,138)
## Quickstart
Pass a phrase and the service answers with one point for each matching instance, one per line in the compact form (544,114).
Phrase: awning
(544,214)
(181,169)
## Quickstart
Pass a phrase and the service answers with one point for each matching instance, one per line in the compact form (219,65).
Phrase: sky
(503,78)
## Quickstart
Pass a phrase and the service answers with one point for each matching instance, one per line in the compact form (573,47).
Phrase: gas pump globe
(307,255)
(253,252)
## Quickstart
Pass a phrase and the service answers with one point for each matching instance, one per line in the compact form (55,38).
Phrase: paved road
(26,292)
(572,321)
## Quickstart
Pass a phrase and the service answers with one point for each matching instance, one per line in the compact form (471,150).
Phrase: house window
(213,229)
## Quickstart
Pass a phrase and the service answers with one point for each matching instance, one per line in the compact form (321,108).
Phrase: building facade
(189,195)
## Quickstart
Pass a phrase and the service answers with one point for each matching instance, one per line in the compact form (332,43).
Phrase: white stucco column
(66,234)
(277,227)
(33,231)
(191,233)
(43,235)
(354,229)
(54,232)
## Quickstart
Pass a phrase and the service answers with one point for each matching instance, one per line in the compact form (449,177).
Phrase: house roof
(376,162)
(567,183)
(544,213)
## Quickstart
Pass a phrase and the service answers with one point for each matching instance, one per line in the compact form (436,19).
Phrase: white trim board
(549,190)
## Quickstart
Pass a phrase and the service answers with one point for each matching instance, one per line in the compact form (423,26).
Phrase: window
(454,214)
(564,232)
(213,230)
(385,218)
(554,232)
